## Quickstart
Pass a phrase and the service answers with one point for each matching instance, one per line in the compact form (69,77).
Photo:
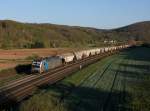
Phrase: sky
(103,14)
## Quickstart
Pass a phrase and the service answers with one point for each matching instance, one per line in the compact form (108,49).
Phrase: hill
(28,35)
(138,31)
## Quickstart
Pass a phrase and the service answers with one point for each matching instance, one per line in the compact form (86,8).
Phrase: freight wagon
(66,58)
(102,50)
(92,52)
(78,55)
(86,53)
(97,51)
(106,49)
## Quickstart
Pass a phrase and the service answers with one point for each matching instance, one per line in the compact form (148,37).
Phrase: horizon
(101,14)
(73,25)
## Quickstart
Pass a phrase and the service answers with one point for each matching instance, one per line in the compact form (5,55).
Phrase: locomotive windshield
(35,66)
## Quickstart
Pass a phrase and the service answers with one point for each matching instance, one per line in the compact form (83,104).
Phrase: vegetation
(8,75)
(5,81)
(138,31)
(32,57)
(24,35)
(120,82)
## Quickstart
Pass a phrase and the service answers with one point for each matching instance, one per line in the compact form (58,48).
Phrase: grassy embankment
(22,69)
(119,82)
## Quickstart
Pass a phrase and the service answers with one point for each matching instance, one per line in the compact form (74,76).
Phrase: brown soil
(9,58)
(23,53)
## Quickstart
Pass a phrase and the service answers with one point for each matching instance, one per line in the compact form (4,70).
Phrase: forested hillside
(26,35)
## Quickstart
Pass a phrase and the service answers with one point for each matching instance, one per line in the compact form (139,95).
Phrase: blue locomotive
(44,64)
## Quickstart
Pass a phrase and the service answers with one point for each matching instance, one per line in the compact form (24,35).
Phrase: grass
(8,75)
(32,57)
(9,79)
(120,82)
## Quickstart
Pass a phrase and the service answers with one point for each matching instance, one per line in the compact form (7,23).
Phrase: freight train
(45,64)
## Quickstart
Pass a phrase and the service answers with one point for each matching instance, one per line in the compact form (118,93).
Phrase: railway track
(84,82)
(108,98)
(95,84)
(22,88)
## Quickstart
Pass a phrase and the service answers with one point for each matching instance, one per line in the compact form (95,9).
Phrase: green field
(117,83)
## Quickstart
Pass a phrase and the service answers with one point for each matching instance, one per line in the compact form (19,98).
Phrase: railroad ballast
(44,64)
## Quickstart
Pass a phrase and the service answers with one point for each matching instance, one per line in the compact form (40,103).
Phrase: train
(45,64)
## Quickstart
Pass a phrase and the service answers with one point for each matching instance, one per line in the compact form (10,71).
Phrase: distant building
(110,41)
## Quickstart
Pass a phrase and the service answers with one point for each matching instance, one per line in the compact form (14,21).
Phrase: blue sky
(91,13)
